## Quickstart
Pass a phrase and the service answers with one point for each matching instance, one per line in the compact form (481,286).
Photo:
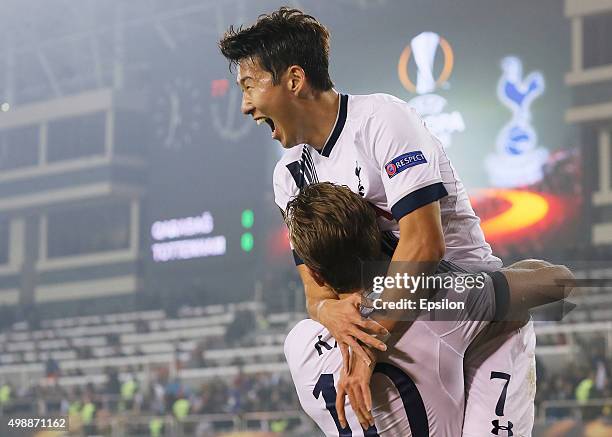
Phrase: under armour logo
(497,427)
(319,344)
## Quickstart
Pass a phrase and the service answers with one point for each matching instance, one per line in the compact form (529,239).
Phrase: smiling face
(267,102)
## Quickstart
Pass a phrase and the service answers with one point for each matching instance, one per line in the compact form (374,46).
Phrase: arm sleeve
(284,190)
(284,186)
(489,303)
(482,305)
(407,156)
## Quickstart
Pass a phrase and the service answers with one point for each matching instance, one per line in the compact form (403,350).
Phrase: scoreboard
(209,179)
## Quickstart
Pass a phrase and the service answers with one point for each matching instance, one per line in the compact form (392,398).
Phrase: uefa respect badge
(403,162)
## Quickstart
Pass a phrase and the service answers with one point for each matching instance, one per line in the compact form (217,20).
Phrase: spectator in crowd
(88,414)
(181,407)
(156,427)
(5,394)
(583,390)
(52,369)
(128,391)
(113,385)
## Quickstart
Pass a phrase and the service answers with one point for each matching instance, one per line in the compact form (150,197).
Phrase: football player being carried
(418,383)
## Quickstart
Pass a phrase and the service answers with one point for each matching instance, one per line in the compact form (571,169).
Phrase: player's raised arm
(536,284)
(420,249)
(408,159)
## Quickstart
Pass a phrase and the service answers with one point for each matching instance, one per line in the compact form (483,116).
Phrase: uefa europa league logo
(430,106)
(424,48)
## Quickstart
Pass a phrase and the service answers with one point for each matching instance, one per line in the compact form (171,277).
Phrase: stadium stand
(227,361)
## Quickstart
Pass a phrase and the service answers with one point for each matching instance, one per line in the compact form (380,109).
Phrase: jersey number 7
(501,403)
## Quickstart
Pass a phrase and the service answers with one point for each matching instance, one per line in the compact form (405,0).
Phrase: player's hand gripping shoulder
(345,323)
(341,317)
(356,384)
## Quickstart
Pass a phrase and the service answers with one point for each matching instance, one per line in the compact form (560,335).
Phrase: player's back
(417,387)
(315,362)
(418,384)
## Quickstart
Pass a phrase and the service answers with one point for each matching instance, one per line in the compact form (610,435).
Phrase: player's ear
(317,277)
(296,79)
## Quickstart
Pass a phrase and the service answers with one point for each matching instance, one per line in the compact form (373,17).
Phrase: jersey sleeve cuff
(296,258)
(502,295)
(417,199)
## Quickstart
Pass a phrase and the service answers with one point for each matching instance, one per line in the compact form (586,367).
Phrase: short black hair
(278,40)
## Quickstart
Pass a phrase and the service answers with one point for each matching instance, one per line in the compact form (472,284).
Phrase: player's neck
(319,118)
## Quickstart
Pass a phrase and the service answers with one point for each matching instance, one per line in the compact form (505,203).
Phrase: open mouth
(268,121)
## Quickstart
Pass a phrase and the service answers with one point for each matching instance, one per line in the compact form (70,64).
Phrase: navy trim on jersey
(502,295)
(310,171)
(411,398)
(297,174)
(296,258)
(303,171)
(331,142)
(416,199)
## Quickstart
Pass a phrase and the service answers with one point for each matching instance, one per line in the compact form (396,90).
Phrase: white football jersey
(418,384)
(381,149)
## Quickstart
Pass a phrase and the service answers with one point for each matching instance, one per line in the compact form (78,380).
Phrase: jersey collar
(340,121)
